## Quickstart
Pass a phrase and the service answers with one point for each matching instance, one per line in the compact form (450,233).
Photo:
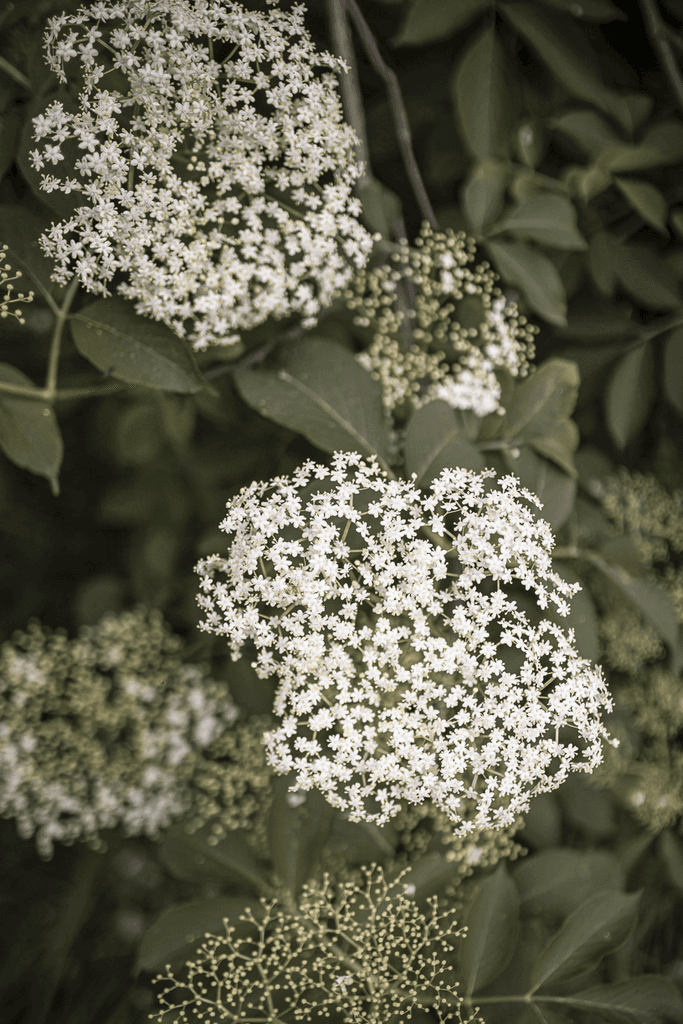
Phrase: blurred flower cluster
(216,171)
(112,729)
(407,667)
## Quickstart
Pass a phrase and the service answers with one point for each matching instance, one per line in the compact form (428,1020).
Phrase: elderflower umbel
(216,171)
(456,330)
(111,729)
(5,282)
(406,668)
(361,950)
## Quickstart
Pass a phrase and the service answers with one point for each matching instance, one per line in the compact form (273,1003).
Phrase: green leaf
(546,218)
(134,349)
(594,320)
(585,183)
(492,930)
(20,229)
(603,262)
(646,277)
(322,392)
(582,616)
(483,193)
(429,876)
(588,129)
(429,20)
(178,930)
(661,145)
(594,929)
(654,603)
(192,858)
(544,398)
(648,999)
(559,445)
(556,882)
(535,274)
(436,439)
(630,395)
(552,486)
(381,208)
(646,200)
(298,827)
(10,125)
(670,849)
(673,369)
(563,46)
(29,431)
(485,97)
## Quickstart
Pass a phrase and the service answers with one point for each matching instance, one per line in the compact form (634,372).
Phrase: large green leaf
(322,392)
(555,490)
(646,200)
(563,46)
(429,20)
(588,129)
(594,929)
(556,882)
(298,826)
(673,369)
(546,218)
(536,275)
(661,144)
(648,999)
(29,431)
(436,439)
(650,599)
(135,349)
(630,395)
(646,277)
(492,929)
(483,193)
(485,97)
(178,930)
(546,396)
(192,858)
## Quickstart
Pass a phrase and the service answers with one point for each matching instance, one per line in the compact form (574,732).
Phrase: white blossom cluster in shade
(104,730)
(219,181)
(438,328)
(407,668)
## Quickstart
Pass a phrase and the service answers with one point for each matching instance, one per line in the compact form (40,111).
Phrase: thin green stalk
(661,44)
(14,73)
(56,342)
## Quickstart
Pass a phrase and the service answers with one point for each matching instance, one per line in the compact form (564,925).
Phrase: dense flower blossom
(111,729)
(439,329)
(216,171)
(393,621)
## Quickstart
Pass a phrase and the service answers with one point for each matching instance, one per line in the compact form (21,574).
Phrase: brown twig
(657,31)
(397,108)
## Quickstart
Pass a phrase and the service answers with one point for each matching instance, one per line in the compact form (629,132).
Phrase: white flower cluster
(103,731)
(454,338)
(407,668)
(219,181)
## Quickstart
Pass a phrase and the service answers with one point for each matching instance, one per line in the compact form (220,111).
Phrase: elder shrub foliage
(341,435)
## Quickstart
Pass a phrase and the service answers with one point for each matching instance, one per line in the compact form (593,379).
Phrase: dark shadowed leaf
(652,600)
(322,392)
(556,882)
(436,439)
(670,849)
(646,277)
(662,144)
(29,431)
(485,97)
(630,395)
(648,999)
(178,930)
(381,208)
(589,10)
(192,858)
(298,826)
(492,929)
(429,20)
(673,369)
(646,200)
(546,218)
(111,335)
(588,129)
(594,929)
(603,262)
(536,275)
(483,193)
(20,230)
(582,616)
